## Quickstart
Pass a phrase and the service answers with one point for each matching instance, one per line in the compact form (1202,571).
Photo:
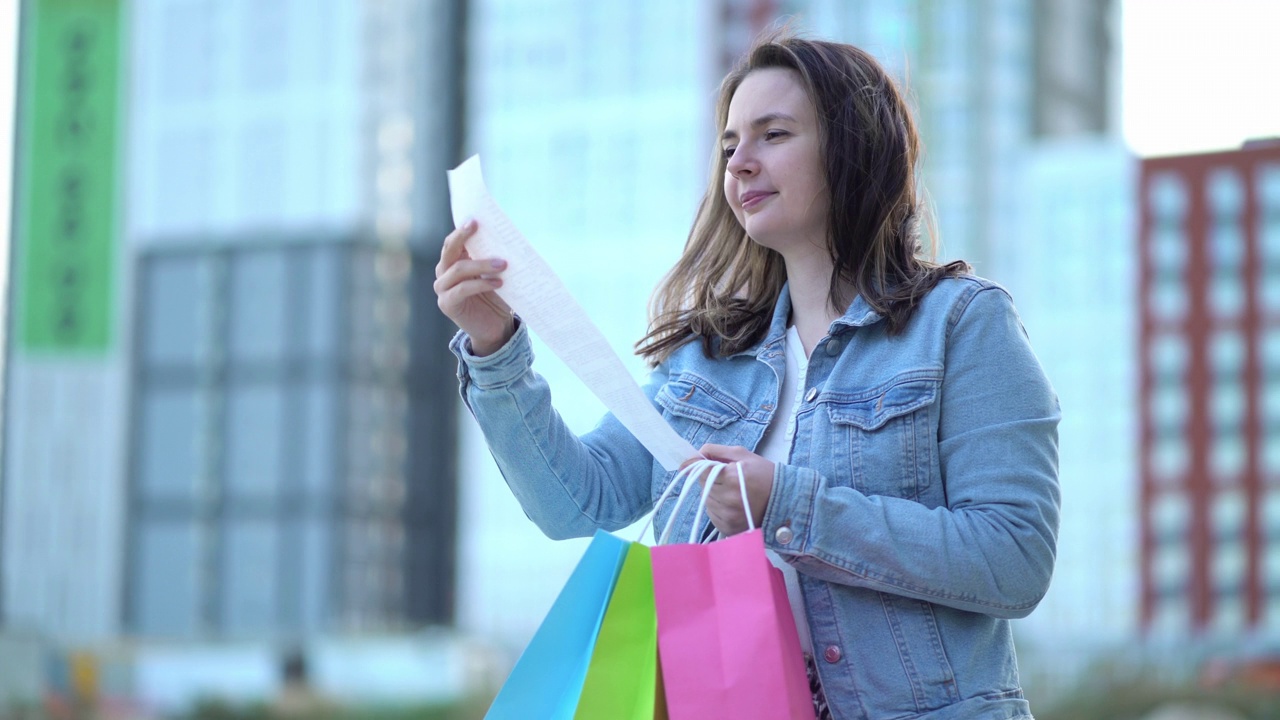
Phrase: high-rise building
(1071,271)
(283,460)
(989,78)
(1209,368)
(62,504)
(593,124)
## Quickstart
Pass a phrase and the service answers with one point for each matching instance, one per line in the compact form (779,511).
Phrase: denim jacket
(919,506)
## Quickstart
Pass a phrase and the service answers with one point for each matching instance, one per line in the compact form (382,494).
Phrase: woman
(897,435)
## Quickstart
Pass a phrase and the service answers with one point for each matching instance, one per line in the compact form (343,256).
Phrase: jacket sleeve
(569,486)
(991,547)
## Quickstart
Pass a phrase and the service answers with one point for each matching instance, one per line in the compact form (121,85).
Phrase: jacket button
(784,535)
(832,654)
(813,393)
(833,346)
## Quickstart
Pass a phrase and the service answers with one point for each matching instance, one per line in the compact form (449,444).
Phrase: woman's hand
(465,293)
(724,503)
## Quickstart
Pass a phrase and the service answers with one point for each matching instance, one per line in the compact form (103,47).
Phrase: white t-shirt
(776,446)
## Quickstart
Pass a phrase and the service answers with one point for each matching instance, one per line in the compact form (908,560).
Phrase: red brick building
(1209,373)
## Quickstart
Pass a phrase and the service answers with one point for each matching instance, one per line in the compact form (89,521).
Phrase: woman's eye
(774,134)
(728,153)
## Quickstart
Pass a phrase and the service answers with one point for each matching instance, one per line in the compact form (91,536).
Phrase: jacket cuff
(499,369)
(788,520)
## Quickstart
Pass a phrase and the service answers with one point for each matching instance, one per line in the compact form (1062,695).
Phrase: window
(249,578)
(166,578)
(1226,195)
(1227,294)
(1268,195)
(1169,457)
(1169,517)
(257,299)
(177,332)
(1168,356)
(1168,297)
(1167,195)
(173,424)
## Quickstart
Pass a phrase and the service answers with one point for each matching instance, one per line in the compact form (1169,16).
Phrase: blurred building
(1209,365)
(267,446)
(594,124)
(61,485)
(1032,184)
(1072,272)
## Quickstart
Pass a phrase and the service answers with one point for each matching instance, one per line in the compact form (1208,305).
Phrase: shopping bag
(726,634)
(622,680)
(547,680)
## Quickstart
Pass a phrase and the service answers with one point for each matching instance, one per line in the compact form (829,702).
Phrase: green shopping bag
(623,680)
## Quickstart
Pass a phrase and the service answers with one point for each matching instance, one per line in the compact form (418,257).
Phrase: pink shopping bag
(726,635)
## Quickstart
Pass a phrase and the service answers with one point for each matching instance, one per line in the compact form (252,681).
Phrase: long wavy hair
(723,289)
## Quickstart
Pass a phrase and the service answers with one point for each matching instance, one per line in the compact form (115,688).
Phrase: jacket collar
(859,314)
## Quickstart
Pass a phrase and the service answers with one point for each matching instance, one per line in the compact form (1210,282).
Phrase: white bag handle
(746,504)
(713,470)
(690,474)
(683,473)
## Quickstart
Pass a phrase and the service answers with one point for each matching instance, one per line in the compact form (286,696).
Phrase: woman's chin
(764,238)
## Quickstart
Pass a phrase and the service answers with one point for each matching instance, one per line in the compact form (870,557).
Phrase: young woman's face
(774,178)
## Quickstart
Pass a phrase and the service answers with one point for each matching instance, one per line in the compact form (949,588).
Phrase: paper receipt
(541,299)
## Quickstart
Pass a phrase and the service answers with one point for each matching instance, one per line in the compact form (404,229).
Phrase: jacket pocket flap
(692,397)
(871,409)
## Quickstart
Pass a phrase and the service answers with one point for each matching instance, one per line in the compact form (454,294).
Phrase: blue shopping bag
(548,678)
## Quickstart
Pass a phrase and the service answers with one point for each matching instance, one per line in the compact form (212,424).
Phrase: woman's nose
(741,164)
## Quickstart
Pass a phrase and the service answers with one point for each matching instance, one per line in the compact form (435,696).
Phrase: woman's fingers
(724,501)
(464,288)
(725,453)
(464,270)
(458,276)
(467,289)
(455,246)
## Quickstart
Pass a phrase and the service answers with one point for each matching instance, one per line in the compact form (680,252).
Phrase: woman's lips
(751,199)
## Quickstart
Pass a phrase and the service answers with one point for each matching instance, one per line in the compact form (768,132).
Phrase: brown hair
(724,287)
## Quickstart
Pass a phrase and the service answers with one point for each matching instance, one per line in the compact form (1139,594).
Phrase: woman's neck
(809,282)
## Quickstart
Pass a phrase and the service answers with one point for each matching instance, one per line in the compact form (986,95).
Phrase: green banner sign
(65,218)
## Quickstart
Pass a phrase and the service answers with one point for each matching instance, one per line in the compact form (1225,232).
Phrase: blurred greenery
(1136,699)
(1101,695)
(471,709)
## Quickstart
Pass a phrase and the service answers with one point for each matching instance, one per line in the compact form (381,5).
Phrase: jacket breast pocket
(696,409)
(890,435)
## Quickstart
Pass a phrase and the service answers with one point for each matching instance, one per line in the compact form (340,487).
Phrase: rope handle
(690,475)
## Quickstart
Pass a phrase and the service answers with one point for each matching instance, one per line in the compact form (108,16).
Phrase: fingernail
(498,264)
(471,225)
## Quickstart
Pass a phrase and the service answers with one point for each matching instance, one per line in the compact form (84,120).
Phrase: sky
(1199,74)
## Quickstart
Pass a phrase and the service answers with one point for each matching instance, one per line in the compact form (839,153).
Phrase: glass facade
(292,434)
(274,492)
(593,124)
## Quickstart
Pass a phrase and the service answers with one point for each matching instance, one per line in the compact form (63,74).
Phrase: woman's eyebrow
(758,122)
